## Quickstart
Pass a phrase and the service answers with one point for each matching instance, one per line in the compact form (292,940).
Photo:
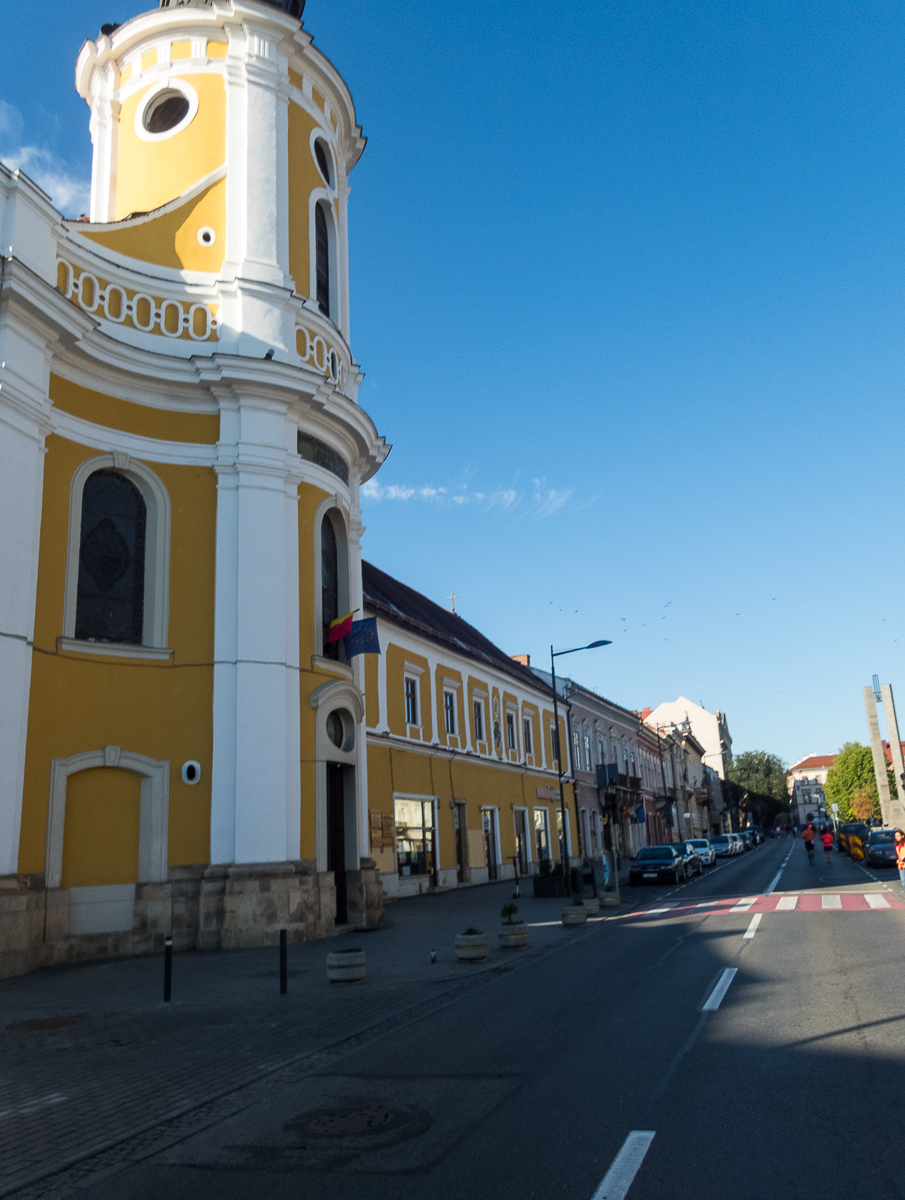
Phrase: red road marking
(807,902)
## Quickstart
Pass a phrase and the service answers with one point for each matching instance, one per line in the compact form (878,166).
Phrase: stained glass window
(111,581)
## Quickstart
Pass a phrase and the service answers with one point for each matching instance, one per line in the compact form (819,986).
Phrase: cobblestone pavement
(97,1071)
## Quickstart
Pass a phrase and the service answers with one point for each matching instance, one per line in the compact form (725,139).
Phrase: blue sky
(627,290)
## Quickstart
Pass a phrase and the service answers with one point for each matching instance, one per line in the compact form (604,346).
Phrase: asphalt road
(611,1066)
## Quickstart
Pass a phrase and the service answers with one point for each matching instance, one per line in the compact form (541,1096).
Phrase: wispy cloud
(69,189)
(541,503)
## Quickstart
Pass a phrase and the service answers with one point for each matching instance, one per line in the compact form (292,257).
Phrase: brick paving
(97,1071)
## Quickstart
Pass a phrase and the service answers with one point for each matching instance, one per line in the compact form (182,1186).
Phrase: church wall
(152,173)
(304,177)
(160,709)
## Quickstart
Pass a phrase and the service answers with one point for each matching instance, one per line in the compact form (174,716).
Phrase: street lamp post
(557,747)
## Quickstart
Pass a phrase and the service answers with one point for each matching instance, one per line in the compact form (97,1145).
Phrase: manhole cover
(39,1024)
(348,1122)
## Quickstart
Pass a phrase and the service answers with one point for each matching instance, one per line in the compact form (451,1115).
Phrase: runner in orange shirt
(808,835)
(827,839)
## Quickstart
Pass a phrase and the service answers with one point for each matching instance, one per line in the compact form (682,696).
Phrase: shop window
(541,834)
(414,837)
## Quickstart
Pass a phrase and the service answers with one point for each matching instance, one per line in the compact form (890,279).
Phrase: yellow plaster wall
(152,173)
(396,658)
(458,739)
(303,178)
(372,690)
(160,709)
(109,411)
(171,239)
(100,837)
(217,49)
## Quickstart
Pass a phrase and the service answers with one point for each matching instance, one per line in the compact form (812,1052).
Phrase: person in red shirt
(808,838)
(827,839)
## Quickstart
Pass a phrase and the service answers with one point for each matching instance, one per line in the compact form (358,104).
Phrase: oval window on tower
(165,111)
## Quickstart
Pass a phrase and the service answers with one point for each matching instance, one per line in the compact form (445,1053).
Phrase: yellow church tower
(181,456)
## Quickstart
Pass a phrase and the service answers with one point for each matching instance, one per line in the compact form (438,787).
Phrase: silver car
(722,845)
(705,851)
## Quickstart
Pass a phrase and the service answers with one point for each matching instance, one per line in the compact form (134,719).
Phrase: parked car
(693,864)
(748,839)
(880,848)
(723,845)
(657,864)
(737,843)
(706,852)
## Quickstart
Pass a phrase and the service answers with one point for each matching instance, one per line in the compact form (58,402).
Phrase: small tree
(863,807)
(851,776)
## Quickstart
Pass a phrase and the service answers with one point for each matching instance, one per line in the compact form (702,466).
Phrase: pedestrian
(900,854)
(827,840)
(808,836)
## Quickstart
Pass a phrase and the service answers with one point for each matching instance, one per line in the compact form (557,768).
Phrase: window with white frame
(510,731)
(449,712)
(117,573)
(526,734)
(576,756)
(411,701)
(601,751)
(479,720)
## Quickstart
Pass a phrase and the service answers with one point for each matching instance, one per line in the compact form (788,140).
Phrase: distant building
(709,729)
(806,779)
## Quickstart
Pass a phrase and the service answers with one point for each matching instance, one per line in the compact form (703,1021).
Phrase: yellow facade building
(462,779)
(181,453)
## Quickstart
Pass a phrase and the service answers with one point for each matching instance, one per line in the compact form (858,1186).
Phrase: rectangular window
(510,731)
(478,721)
(526,728)
(587,752)
(411,701)
(541,834)
(449,711)
(415,837)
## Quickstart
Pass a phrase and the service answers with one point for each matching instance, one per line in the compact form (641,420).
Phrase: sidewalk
(98,1071)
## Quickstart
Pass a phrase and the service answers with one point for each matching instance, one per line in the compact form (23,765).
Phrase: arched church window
(323,161)
(329,583)
(322,253)
(111,576)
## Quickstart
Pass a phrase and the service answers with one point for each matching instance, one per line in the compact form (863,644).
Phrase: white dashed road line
(621,1175)
(715,999)
(752,928)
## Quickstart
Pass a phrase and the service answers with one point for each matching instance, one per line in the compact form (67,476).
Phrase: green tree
(851,783)
(758,771)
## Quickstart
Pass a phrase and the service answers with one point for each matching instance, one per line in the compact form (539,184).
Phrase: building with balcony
(181,455)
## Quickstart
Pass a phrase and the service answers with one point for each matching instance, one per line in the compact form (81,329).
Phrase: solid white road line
(786,903)
(752,928)
(831,901)
(713,1001)
(875,901)
(621,1175)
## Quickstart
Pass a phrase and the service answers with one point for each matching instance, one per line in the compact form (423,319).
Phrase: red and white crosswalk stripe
(799,902)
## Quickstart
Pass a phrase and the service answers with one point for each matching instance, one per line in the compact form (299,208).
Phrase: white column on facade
(356,602)
(255,790)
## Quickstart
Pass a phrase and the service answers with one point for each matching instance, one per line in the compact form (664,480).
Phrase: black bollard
(167,968)
(284,972)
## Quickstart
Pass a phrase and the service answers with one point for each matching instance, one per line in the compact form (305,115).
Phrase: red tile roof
(816,760)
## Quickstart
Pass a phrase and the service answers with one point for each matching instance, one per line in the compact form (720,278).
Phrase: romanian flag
(338,629)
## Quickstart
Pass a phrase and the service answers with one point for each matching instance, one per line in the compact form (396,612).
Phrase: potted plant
(472,945)
(513,933)
(346,966)
(575,913)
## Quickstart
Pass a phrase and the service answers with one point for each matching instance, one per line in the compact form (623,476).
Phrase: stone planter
(346,966)
(472,947)
(592,905)
(514,936)
(575,915)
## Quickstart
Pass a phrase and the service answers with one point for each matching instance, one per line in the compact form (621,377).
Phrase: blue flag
(362,638)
